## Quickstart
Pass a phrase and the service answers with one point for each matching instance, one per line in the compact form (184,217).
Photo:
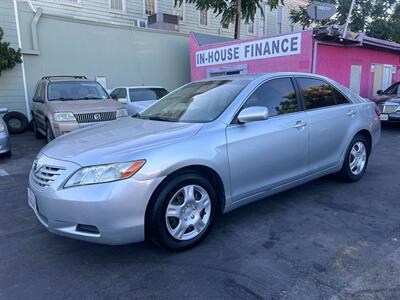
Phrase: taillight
(377,110)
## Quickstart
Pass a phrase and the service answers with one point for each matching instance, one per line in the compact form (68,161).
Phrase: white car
(137,98)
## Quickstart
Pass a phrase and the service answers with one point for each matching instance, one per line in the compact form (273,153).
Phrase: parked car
(137,98)
(65,103)
(5,148)
(388,102)
(208,147)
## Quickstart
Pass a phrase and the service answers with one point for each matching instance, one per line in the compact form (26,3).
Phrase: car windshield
(197,102)
(76,90)
(393,90)
(146,94)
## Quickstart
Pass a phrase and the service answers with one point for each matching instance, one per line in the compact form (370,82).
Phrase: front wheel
(183,212)
(356,160)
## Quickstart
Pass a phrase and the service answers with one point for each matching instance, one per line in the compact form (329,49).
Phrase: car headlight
(123,112)
(2,128)
(64,116)
(104,173)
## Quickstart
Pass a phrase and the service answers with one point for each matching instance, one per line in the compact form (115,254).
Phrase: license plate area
(384,117)
(32,200)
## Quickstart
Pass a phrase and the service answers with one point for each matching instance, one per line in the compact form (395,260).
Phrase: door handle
(300,124)
(351,113)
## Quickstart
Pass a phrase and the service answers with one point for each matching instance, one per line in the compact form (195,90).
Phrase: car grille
(388,109)
(96,117)
(46,175)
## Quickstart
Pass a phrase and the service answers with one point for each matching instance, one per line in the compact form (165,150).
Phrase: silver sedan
(206,148)
(5,148)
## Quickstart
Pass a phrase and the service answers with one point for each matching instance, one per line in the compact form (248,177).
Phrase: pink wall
(335,62)
(299,62)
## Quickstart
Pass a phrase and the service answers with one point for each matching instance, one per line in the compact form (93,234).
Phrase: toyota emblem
(97,117)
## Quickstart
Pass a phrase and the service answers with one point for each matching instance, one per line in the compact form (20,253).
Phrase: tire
(161,226)
(49,132)
(37,133)
(354,172)
(16,122)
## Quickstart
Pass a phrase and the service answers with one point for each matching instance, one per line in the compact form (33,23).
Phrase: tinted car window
(316,93)
(122,93)
(38,87)
(278,95)
(339,97)
(145,94)
(197,102)
(393,90)
(76,90)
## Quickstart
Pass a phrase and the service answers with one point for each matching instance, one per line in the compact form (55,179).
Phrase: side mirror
(114,96)
(3,110)
(380,92)
(123,100)
(38,99)
(254,113)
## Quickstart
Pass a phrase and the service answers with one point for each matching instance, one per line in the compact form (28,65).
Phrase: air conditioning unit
(163,21)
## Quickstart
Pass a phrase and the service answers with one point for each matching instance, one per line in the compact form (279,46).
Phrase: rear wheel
(183,212)
(356,160)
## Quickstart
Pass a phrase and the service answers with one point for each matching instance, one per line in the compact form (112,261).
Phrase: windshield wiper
(59,99)
(89,98)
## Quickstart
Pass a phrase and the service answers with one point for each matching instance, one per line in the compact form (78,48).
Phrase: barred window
(149,7)
(203,17)
(119,5)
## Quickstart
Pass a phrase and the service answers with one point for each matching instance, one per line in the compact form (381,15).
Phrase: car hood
(381,99)
(85,106)
(116,141)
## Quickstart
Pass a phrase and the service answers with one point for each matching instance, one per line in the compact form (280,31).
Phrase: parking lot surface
(322,240)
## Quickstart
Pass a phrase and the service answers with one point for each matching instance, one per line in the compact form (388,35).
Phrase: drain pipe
(28,110)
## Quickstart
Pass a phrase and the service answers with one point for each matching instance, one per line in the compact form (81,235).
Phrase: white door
(355,78)
(387,77)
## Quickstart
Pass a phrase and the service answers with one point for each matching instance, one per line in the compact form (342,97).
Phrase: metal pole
(348,19)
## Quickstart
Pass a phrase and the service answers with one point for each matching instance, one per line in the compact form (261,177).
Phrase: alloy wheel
(357,158)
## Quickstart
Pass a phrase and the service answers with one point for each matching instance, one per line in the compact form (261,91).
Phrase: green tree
(9,57)
(377,18)
(232,11)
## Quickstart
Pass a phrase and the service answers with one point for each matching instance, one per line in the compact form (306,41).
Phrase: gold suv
(65,103)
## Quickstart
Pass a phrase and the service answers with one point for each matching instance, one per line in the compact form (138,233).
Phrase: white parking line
(3,172)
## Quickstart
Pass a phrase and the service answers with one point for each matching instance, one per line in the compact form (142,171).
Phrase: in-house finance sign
(265,48)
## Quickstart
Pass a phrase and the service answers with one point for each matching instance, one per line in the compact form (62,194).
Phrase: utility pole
(238,19)
(348,19)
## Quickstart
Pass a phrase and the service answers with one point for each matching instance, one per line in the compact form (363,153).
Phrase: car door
(330,118)
(39,108)
(266,154)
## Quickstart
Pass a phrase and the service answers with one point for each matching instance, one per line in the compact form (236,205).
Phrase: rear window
(316,93)
(146,94)
(75,90)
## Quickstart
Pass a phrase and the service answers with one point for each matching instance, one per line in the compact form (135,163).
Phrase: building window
(250,28)
(261,21)
(203,17)
(279,19)
(71,2)
(180,11)
(118,5)
(140,23)
(149,7)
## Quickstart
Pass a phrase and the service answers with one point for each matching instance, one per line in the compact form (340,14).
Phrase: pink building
(363,64)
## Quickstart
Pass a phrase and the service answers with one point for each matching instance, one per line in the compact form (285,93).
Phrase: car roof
(139,87)
(262,75)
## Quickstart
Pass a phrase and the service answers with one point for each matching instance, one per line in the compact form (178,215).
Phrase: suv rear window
(144,94)
(76,90)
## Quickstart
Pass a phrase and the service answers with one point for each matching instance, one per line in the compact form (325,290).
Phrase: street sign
(321,11)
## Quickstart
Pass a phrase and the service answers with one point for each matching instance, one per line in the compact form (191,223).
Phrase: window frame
(332,88)
(144,8)
(208,17)
(300,107)
(117,11)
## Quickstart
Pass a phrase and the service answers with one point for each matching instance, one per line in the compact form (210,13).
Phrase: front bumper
(391,118)
(117,209)
(61,128)
(4,142)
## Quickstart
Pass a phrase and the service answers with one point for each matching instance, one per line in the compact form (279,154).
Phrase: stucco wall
(125,55)
(11,83)
(298,63)
(335,62)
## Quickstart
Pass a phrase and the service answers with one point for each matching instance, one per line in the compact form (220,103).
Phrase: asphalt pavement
(323,240)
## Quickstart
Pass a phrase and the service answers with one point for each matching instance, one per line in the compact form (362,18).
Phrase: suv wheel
(183,212)
(356,160)
(49,132)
